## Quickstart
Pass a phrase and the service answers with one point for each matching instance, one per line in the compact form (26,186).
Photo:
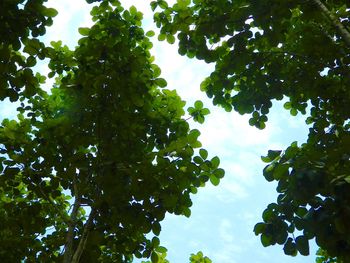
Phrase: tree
(297,51)
(91,167)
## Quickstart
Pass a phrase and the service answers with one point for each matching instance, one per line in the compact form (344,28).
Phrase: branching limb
(65,218)
(335,21)
(84,237)
(68,250)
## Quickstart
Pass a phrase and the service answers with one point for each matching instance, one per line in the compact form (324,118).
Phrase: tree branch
(68,249)
(84,237)
(64,217)
(334,20)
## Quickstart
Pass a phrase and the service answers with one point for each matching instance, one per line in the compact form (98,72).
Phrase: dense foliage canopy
(90,168)
(297,51)
(94,164)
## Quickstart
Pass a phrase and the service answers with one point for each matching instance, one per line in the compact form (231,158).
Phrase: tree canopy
(90,168)
(297,51)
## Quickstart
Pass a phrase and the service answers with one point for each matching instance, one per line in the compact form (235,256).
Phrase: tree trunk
(68,249)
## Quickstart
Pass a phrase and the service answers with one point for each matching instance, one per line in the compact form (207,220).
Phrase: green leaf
(272,154)
(161,249)
(161,82)
(198,105)
(280,171)
(150,33)
(268,215)
(183,3)
(170,39)
(31,50)
(287,105)
(161,37)
(214,180)
(193,136)
(347,179)
(51,74)
(191,110)
(163,4)
(154,5)
(259,228)
(219,173)
(196,144)
(154,257)
(290,247)
(268,172)
(261,125)
(198,118)
(302,245)
(215,162)
(186,212)
(205,111)
(56,44)
(156,228)
(293,112)
(155,242)
(203,153)
(265,240)
(31,61)
(266,159)
(133,10)
(51,12)
(84,31)
(156,70)
(198,160)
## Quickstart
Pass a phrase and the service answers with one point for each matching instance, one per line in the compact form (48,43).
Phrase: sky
(223,217)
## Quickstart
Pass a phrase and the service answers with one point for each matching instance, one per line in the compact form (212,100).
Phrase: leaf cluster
(22,22)
(90,169)
(297,51)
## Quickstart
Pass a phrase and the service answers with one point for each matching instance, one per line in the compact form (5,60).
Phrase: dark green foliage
(22,22)
(90,168)
(323,257)
(273,50)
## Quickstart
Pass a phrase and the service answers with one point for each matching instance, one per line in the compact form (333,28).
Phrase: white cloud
(239,173)
(230,192)
(229,245)
(8,109)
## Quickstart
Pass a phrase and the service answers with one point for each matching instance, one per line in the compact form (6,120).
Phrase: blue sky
(223,217)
